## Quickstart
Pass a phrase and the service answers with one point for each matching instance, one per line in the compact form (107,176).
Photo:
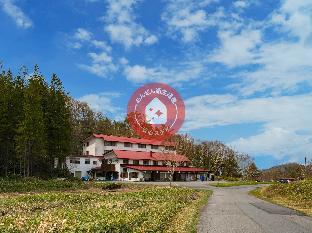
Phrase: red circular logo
(156,111)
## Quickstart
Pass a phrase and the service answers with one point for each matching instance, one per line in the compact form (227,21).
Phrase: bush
(111,186)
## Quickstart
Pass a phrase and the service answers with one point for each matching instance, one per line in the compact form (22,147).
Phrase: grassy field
(237,183)
(297,195)
(93,209)
(35,184)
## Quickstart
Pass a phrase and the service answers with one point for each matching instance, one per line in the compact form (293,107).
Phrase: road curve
(232,210)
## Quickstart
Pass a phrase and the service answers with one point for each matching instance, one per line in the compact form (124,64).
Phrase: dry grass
(297,195)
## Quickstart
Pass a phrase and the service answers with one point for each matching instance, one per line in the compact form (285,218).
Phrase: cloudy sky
(244,68)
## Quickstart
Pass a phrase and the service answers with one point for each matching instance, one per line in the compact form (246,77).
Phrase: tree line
(40,121)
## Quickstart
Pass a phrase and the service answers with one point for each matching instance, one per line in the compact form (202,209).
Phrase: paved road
(232,210)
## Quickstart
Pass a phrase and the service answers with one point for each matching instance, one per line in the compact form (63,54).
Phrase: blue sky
(243,68)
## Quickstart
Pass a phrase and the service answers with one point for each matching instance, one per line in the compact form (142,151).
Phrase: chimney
(151,154)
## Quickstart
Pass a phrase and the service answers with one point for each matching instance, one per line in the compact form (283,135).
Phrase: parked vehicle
(286,180)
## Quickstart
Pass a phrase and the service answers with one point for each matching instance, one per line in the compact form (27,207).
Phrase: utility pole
(305,167)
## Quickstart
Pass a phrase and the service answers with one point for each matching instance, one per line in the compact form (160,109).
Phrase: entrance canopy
(164,168)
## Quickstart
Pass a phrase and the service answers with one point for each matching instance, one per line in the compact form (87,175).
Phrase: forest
(40,121)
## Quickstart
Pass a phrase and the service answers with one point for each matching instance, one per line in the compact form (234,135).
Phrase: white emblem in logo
(156,112)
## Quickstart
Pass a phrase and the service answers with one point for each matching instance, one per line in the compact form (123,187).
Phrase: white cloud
(173,75)
(82,34)
(16,14)
(241,4)
(102,102)
(123,61)
(286,121)
(102,64)
(188,17)
(139,73)
(281,63)
(236,49)
(278,142)
(100,58)
(122,27)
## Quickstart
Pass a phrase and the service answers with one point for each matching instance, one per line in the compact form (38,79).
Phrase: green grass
(237,183)
(149,209)
(35,184)
(296,195)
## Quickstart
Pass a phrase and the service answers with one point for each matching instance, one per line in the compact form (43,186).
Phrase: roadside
(233,210)
(297,195)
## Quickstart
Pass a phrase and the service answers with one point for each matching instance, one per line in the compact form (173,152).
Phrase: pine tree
(31,138)
(57,120)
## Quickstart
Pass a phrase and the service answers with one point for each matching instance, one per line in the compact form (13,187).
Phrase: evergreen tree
(57,121)
(31,138)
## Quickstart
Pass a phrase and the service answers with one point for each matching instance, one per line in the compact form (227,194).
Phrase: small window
(128,144)
(145,162)
(94,162)
(133,175)
(87,152)
(142,145)
(155,147)
(75,161)
(108,143)
(87,161)
(136,162)
(164,163)
(169,148)
(124,170)
(125,161)
(87,143)
(155,163)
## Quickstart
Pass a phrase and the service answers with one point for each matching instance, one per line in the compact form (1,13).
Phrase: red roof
(143,155)
(111,138)
(86,156)
(164,168)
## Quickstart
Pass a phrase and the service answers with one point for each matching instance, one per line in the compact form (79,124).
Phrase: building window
(169,148)
(125,170)
(125,161)
(108,143)
(87,161)
(133,175)
(128,144)
(164,163)
(155,147)
(142,145)
(94,162)
(155,163)
(87,143)
(136,162)
(87,152)
(75,161)
(145,162)
(124,175)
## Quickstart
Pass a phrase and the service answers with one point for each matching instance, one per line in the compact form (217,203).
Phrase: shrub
(111,186)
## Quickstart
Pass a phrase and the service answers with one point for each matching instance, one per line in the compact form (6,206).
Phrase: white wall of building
(82,168)
(97,147)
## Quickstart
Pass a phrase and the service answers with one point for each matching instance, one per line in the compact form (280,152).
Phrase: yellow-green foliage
(35,184)
(296,195)
(296,190)
(237,183)
(151,209)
